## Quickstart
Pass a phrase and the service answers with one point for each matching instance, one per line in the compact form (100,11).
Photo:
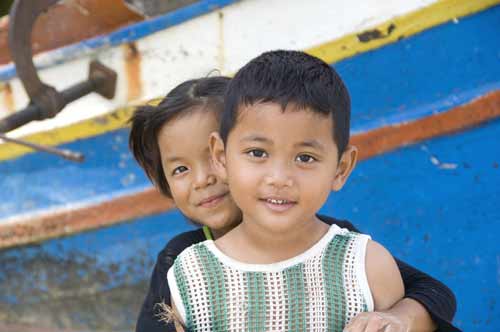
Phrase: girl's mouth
(212,201)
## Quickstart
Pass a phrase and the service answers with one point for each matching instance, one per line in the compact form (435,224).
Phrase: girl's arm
(428,305)
(391,312)
(158,291)
(426,300)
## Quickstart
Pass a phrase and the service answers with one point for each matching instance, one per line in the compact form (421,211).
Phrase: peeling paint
(436,162)
(70,290)
(370,35)
(133,71)
(221,46)
(128,179)
(449,166)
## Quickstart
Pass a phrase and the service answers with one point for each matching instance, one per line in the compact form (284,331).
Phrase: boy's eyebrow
(308,143)
(256,138)
(311,144)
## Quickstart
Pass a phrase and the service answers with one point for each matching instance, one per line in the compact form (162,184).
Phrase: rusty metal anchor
(46,101)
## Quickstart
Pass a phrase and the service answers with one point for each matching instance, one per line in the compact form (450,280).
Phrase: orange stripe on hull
(385,139)
(70,221)
(150,201)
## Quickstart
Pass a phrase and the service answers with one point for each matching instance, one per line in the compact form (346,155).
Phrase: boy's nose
(279,176)
(280,181)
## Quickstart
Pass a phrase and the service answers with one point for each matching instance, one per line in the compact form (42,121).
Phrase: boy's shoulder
(345,234)
(341,223)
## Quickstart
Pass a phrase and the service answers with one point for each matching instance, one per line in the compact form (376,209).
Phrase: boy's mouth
(278,204)
(212,201)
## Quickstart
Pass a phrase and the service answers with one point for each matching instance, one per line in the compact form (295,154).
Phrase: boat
(78,240)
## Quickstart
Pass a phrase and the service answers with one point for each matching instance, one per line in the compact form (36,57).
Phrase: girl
(170,142)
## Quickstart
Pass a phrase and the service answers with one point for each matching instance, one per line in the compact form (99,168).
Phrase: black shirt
(432,294)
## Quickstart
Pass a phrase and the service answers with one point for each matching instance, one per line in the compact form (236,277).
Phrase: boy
(283,146)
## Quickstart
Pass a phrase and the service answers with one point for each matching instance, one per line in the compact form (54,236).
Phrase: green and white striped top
(318,290)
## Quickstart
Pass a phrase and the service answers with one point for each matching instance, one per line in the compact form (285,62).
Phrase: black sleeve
(158,287)
(438,299)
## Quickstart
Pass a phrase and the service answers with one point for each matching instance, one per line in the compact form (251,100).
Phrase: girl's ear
(344,168)
(218,155)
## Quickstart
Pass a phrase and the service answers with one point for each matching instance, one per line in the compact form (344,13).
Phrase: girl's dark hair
(148,120)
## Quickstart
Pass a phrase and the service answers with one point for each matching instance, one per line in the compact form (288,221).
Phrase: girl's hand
(376,322)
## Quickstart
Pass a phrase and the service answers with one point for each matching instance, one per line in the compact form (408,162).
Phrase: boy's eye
(179,170)
(257,153)
(305,158)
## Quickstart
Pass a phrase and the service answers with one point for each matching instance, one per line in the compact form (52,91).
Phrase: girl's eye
(305,158)
(257,153)
(179,170)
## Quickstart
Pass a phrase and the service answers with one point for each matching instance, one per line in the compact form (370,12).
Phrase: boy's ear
(218,155)
(346,165)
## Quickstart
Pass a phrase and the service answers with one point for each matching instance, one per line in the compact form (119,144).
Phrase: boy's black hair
(148,120)
(290,77)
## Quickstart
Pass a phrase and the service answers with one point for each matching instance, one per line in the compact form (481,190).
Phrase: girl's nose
(203,179)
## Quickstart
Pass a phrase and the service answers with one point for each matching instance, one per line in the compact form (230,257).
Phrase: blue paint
(39,181)
(426,74)
(125,251)
(130,33)
(444,221)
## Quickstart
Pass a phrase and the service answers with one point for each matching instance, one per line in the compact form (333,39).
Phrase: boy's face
(197,191)
(281,165)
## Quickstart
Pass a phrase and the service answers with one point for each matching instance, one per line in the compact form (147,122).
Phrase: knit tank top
(318,290)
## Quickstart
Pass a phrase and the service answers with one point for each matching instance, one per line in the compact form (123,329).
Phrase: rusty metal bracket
(101,80)
(45,100)
(22,17)
(66,154)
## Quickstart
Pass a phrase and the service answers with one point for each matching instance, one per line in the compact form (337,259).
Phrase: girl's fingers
(375,322)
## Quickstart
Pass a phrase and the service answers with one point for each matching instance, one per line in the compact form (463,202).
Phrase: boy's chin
(280,224)
(222,224)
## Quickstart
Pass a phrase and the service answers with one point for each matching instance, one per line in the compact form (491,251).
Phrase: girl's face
(197,191)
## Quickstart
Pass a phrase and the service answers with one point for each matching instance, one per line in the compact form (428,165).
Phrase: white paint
(194,48)
(182,52)
(254,27)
